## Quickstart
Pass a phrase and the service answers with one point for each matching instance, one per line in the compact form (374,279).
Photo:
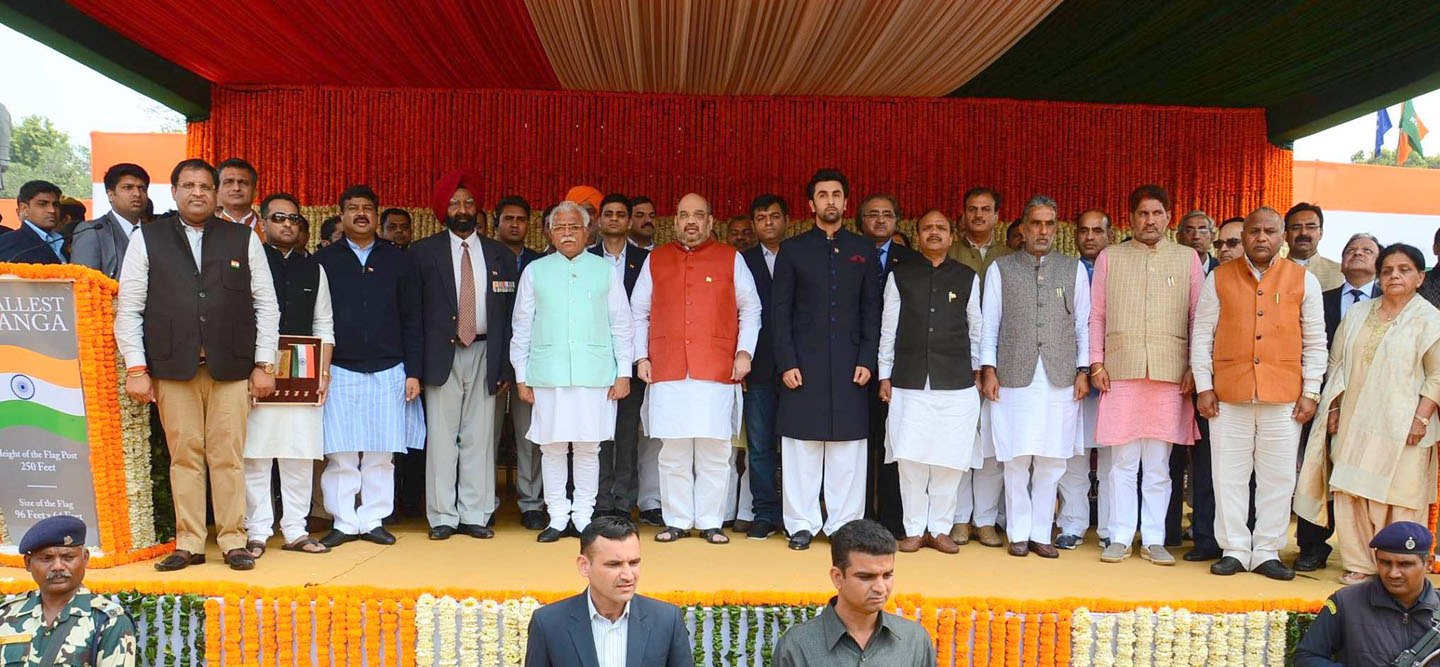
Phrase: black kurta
(826,317)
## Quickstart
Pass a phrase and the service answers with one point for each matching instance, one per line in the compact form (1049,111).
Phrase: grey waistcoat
(1037,319)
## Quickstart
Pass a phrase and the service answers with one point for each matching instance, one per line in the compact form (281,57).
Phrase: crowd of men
(919,383)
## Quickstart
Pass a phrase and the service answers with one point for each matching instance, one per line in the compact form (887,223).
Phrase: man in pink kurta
(1143,298)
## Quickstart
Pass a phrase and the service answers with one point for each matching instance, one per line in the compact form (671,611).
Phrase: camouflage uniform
(103,635)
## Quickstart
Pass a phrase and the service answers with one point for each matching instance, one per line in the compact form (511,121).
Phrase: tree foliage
(1387,158)
(39,150)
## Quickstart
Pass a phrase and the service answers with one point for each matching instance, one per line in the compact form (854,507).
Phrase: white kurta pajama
(1036,427)
(694,419)
(930,434)
(570,420)
(293,438)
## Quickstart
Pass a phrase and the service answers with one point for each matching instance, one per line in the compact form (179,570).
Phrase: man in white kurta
(1033,351)
(929,345)
(571,348)
(697,316)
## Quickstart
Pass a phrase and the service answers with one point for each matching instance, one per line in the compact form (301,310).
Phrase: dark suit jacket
(826,316)
(762,366)
(26,247)
(101,244)
(898,254)
(432,265)
(634,259)
(1331,299)
(527,255)
(560,635)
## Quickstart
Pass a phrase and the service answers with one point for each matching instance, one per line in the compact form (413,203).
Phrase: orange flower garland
(323,646)
(285,630)
(407,634)
(232,630)
(1047,639)
(1032,640)
(982,638)
(212,630)
(389,613)
(963,625)
(354,631)
(303,628)
(1062,638)
(249,633)
(1013,637)
(372,630)
(946,648)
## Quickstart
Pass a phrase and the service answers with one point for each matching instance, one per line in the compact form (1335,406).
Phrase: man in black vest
(771,217)
(876,219)
(826,316)
(197,312)
(467,290)
(929,346)
(289,437)
(372,412)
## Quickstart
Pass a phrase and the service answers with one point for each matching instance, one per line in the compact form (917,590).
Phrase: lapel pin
(952,296)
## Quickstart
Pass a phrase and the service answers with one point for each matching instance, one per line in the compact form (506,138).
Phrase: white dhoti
(1074,516)
(292,437)
(931,435)
(838,465)
(1254,438)
(571,420)
(978,498)
(694,420)
(1035,426)
(739,503)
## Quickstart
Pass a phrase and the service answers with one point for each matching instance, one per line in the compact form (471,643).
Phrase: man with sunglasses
(1227,240)
(288,436)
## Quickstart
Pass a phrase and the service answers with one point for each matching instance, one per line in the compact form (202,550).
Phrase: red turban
(445,189)
(582,194)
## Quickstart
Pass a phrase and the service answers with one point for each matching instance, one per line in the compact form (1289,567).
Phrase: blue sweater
(377,315)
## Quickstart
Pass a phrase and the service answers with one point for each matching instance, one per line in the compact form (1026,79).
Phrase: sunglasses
(1229,243)
(280,218)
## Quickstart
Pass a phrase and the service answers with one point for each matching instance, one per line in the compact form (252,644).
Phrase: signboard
(44,447)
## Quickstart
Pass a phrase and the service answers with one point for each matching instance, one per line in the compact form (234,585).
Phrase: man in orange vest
(697,316)
(1258,355)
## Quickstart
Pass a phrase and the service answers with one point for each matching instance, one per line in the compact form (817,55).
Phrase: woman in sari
(1376,454)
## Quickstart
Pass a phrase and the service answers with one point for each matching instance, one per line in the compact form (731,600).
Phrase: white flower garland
(1082,641)
(1220,639)
(425,630)
(135,448)
(1199,648)
(489,633)
(1235,640)
(1165,637)
(1255,623)
(1275,647)
(448,610)
(1104,648)
(1125,639)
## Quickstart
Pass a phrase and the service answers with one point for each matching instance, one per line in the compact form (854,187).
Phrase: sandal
(714,536)
(239,559)
(255,548)
(670,534)
(305,545)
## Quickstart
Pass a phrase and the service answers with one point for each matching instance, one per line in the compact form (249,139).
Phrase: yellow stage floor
(514,561)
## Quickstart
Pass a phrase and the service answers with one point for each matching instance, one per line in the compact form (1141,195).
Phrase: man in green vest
(571,346)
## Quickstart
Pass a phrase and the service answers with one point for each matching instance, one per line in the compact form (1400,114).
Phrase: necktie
(465,330)
(1354,296)
(879,261)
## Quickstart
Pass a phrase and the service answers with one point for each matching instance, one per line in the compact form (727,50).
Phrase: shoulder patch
(106,605)
(1330,605)
(12,599)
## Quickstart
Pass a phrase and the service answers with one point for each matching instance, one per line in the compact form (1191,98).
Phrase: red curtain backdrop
(313,141)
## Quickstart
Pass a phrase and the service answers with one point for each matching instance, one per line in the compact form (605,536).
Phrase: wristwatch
(266,366)
(1311,395)
(1082,370)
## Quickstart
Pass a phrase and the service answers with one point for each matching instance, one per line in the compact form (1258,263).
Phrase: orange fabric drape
(778,47)
(313,141)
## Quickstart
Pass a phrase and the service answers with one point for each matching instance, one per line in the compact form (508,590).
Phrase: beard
(461,224)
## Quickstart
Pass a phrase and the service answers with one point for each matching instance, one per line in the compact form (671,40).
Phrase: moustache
(1303,238)
(933,238)
(57,576)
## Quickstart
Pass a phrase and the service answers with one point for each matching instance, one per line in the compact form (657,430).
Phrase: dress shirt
(250,220)
(769,257)
(522,323)
(1312,333)
(647,248)
(362,254)
(135,285)
(884,250)
(126,226)
(1348,296)
(610,636)
(616,261)
(824,640)
(54,239)
(995,309)
(477,265)
(890,323)
(747,301)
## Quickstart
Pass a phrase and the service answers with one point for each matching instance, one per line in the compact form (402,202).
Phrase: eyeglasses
(880,215)
(281,218)
(566,228)
(1229,243)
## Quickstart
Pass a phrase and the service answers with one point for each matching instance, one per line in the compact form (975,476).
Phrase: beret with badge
(61,530)
(1403,537)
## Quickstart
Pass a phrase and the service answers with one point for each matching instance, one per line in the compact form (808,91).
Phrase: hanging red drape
(313,141)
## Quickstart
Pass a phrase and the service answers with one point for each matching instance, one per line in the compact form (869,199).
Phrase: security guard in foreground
(1380,621)
(62,623)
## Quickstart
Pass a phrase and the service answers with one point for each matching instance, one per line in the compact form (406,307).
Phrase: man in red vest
(1258,355)
(697,316)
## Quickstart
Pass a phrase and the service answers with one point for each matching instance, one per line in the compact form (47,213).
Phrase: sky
(80,100)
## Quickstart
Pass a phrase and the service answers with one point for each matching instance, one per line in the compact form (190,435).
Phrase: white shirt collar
(456,241)
(765,251)
(1364,289)
(596,615)
(357,247)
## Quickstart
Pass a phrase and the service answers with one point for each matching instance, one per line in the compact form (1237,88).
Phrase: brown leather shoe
(960,533)
(910,545)
(1019,548)
(1044,550)
(943,544)
(989,537)
(179,560)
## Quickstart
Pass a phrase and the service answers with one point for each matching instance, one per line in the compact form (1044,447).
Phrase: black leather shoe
(760,530)
(1198,554)
(179,560)
(335,538)
(379,536)
(652,518)
(533,519)
(1310,562)
(800,541)
(1275,569)
(480,532)
(441,532)
(549,535)
(570,530)
(1227,566)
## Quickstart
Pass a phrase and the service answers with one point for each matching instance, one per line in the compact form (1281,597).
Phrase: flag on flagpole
(1382,125)
(1411,132)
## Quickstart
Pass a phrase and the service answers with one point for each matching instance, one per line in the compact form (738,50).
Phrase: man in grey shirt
(854,627)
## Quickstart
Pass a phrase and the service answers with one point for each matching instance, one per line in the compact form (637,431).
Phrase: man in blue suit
(608,625)
(38,240)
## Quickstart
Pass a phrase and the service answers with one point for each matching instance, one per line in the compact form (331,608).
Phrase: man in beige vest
(1143,299)
(1304,227)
